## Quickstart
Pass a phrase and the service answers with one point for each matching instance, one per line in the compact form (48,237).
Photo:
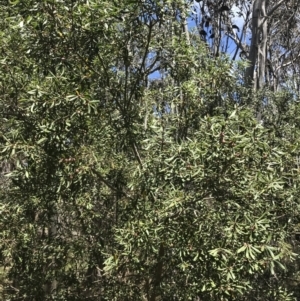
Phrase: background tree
(266,37)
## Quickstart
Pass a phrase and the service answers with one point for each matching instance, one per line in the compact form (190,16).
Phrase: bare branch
(288,63)
(271,11)
(137,155)
(237,41)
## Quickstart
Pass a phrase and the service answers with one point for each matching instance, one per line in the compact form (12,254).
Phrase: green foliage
(218,218)
(118,187)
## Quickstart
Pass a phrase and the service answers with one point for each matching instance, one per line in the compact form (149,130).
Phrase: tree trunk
(51,286)
(258,47)
(157,277)
(262,49)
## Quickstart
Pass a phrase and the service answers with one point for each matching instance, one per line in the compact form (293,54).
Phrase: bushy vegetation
(133,163)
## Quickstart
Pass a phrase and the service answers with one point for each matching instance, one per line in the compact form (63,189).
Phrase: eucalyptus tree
(266,36)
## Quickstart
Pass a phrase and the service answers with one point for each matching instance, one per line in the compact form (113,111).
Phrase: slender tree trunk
(157,277)
(217,33)
(51,286)
(258,45)
(186,29)
(262,49)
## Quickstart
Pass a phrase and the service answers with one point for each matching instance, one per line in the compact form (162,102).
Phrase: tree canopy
(133,162)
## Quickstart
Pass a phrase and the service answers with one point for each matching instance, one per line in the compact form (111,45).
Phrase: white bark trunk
(258,47)
(262,48)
